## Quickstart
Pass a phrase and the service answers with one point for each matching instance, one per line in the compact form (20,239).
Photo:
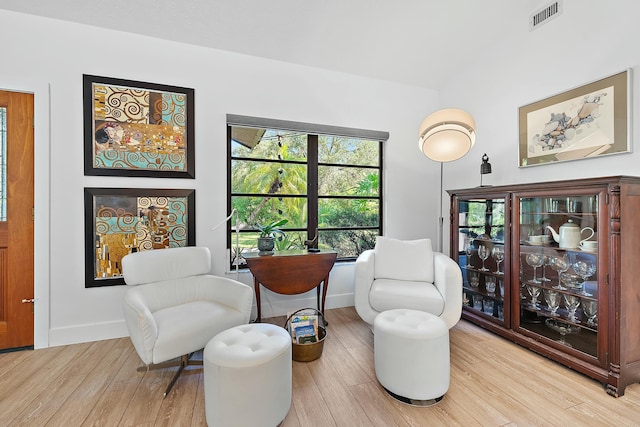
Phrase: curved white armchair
(407,274)
(177,306)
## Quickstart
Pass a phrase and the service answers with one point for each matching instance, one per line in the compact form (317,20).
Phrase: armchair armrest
(140,323)
(364,274)
(448,281)
(229,292)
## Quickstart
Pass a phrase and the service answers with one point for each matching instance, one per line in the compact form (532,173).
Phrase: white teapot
(570,235)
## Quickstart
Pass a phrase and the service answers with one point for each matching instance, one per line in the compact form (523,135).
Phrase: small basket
(308,351)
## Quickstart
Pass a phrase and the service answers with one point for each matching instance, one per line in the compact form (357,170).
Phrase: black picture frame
(137,129)
(119,221)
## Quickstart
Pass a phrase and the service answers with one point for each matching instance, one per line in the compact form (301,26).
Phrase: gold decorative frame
(135,128)
(119,221)
(588,121)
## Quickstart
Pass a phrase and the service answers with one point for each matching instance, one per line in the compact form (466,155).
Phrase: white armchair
(407,274)
(177,306)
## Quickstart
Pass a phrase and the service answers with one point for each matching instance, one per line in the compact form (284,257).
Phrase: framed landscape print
(119,221)
(589,121)
(135,128)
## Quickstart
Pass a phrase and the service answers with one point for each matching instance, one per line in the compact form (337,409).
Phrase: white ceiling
(416,42)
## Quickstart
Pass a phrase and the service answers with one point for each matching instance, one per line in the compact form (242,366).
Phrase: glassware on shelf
(553,299)
(490,285)
(501,287)
(474,279)
(469,251)
(483,253)
(546,260)
(477,302)
(535,260)
(590,308)
(571,302)
(584,269)
(498,255)
(487,306)
(563,329)
(534,291)
(559,264)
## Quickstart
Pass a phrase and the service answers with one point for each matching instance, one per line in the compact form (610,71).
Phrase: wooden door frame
(42,212)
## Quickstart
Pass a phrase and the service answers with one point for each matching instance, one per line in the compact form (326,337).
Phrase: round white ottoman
(247,376)
(412,355)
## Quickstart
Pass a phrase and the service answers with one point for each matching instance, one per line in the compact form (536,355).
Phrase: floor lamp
(445,136)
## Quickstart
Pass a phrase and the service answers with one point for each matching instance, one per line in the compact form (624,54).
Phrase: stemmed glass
(563,329)
(572,303)
(553,301)
(560,264)
(584,269)
(534,291)
(590,308)
(535,260)
(546,260)
(483,253)
(469,251)
(498,255)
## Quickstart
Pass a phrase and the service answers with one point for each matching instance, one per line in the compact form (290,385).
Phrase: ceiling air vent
(545,15)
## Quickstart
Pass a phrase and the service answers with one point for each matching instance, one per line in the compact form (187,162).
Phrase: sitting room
(332,214)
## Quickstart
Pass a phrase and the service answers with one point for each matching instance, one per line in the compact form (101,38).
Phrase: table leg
(325,285)
(256,287)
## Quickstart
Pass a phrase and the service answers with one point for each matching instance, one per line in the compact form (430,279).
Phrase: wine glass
(498,255)
(469,251)
(584,269)
(590,308)
(572,302)
(483,253)
(553,301)
(546,260)
(535,260)
(560,264)
(534,291)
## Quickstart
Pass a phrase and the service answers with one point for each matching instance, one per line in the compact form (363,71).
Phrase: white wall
(589,41)
(45,53)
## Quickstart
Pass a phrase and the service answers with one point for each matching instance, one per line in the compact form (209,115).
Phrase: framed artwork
(588,121)
(119,221)
(137,129)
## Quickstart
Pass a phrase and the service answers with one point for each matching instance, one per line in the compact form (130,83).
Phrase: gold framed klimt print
(588,121)
(134,128)
(120,221)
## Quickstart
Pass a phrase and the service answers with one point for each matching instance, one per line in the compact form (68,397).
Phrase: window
(325,181)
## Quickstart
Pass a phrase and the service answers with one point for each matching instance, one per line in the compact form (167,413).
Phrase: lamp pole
(441,219)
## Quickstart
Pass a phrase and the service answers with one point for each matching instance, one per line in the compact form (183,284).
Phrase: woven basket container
(309,351)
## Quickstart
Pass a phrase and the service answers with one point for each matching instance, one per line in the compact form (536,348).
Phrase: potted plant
(268,233)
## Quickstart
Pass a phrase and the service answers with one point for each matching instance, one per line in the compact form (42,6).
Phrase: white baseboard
(285,306)
(87,333)
(117,329)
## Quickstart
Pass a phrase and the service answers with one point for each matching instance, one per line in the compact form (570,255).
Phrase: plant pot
(265,244)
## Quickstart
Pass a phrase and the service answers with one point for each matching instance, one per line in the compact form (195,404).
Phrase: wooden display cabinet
(576,304)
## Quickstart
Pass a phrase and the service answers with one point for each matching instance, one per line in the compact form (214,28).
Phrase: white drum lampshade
(447,135)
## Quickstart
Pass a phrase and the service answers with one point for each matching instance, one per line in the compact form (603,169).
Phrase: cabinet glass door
(558,269)
(481,255)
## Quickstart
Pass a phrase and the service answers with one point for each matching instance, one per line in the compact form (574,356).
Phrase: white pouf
(247,376)
(412,355)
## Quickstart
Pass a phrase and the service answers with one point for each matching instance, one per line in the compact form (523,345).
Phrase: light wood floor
(493,383)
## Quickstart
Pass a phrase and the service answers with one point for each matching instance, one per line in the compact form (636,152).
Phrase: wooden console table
(291,272)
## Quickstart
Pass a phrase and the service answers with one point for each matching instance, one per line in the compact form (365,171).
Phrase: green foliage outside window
(269,182)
